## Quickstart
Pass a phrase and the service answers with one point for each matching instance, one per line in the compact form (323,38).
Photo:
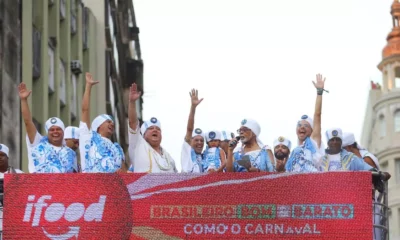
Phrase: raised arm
(86,99)
(26,113)
(319,85)
(134,95)
(194,95)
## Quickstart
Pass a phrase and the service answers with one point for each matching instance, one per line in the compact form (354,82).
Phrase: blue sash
(298,161)
(195,160)
(261,162)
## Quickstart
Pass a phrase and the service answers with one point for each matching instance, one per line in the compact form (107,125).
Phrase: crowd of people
(89,148)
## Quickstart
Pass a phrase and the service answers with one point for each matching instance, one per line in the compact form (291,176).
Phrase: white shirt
(144,158)
(317,156)
(335,162)
(98,154)
(187,164)
(364,153)
(36,141)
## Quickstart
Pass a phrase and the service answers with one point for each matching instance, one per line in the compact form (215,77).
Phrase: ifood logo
(67,206)
(55,211)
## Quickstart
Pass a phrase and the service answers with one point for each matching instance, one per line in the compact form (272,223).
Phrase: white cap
(4,149)
(348,139)
(334,132)
(54,121)
(252,125)
(197,132)
(71,133)
(213,135)
(100,120)
(284,141)
(226,135)
(308,119)
(146,124)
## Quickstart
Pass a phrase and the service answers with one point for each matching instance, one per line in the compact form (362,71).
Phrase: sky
(256,59)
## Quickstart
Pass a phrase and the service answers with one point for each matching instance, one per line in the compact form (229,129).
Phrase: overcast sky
(256,59)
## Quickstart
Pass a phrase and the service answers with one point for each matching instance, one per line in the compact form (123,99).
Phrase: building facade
(49,45)
(10,77)
(381,130)
(123,62)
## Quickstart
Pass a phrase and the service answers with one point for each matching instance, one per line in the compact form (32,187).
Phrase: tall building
(10,77)
(49,45)
(381,130)
(124,64)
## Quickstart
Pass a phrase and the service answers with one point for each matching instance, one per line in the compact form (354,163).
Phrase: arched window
(397,120)
(382,126)
(397,77)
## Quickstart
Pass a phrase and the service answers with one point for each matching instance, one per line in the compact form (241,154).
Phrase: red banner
(186,206)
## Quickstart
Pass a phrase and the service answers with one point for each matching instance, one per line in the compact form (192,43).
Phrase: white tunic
(145,159)
(187,163)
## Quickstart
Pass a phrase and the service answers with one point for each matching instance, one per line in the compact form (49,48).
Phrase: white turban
(100,120)
(348,139)
(334,132)
(198,132)
(252,125)
(71,133)
(308,119)
(54,121)
(213,135)
(146,124)
(227,136)
(284,141)
(4,149)
(255,128)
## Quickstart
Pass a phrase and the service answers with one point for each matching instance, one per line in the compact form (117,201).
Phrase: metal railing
(380,206)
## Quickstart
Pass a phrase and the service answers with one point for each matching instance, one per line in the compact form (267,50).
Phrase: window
(62,86)
(397,77)
(36,53)
(85,26)
(73,95)
(62,10)
(11,56)
(116,56)
(397,170)
(50,54)
(382,126)
(73,24)
(397,120)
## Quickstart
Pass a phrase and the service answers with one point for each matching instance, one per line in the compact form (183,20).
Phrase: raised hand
(89,79)
(194,95)
(320,82)
(134,94)
(23,91)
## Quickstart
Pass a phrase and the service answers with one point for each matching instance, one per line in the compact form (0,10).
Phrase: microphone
(233,143)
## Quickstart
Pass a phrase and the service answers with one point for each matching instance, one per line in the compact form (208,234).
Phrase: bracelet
(321,90)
